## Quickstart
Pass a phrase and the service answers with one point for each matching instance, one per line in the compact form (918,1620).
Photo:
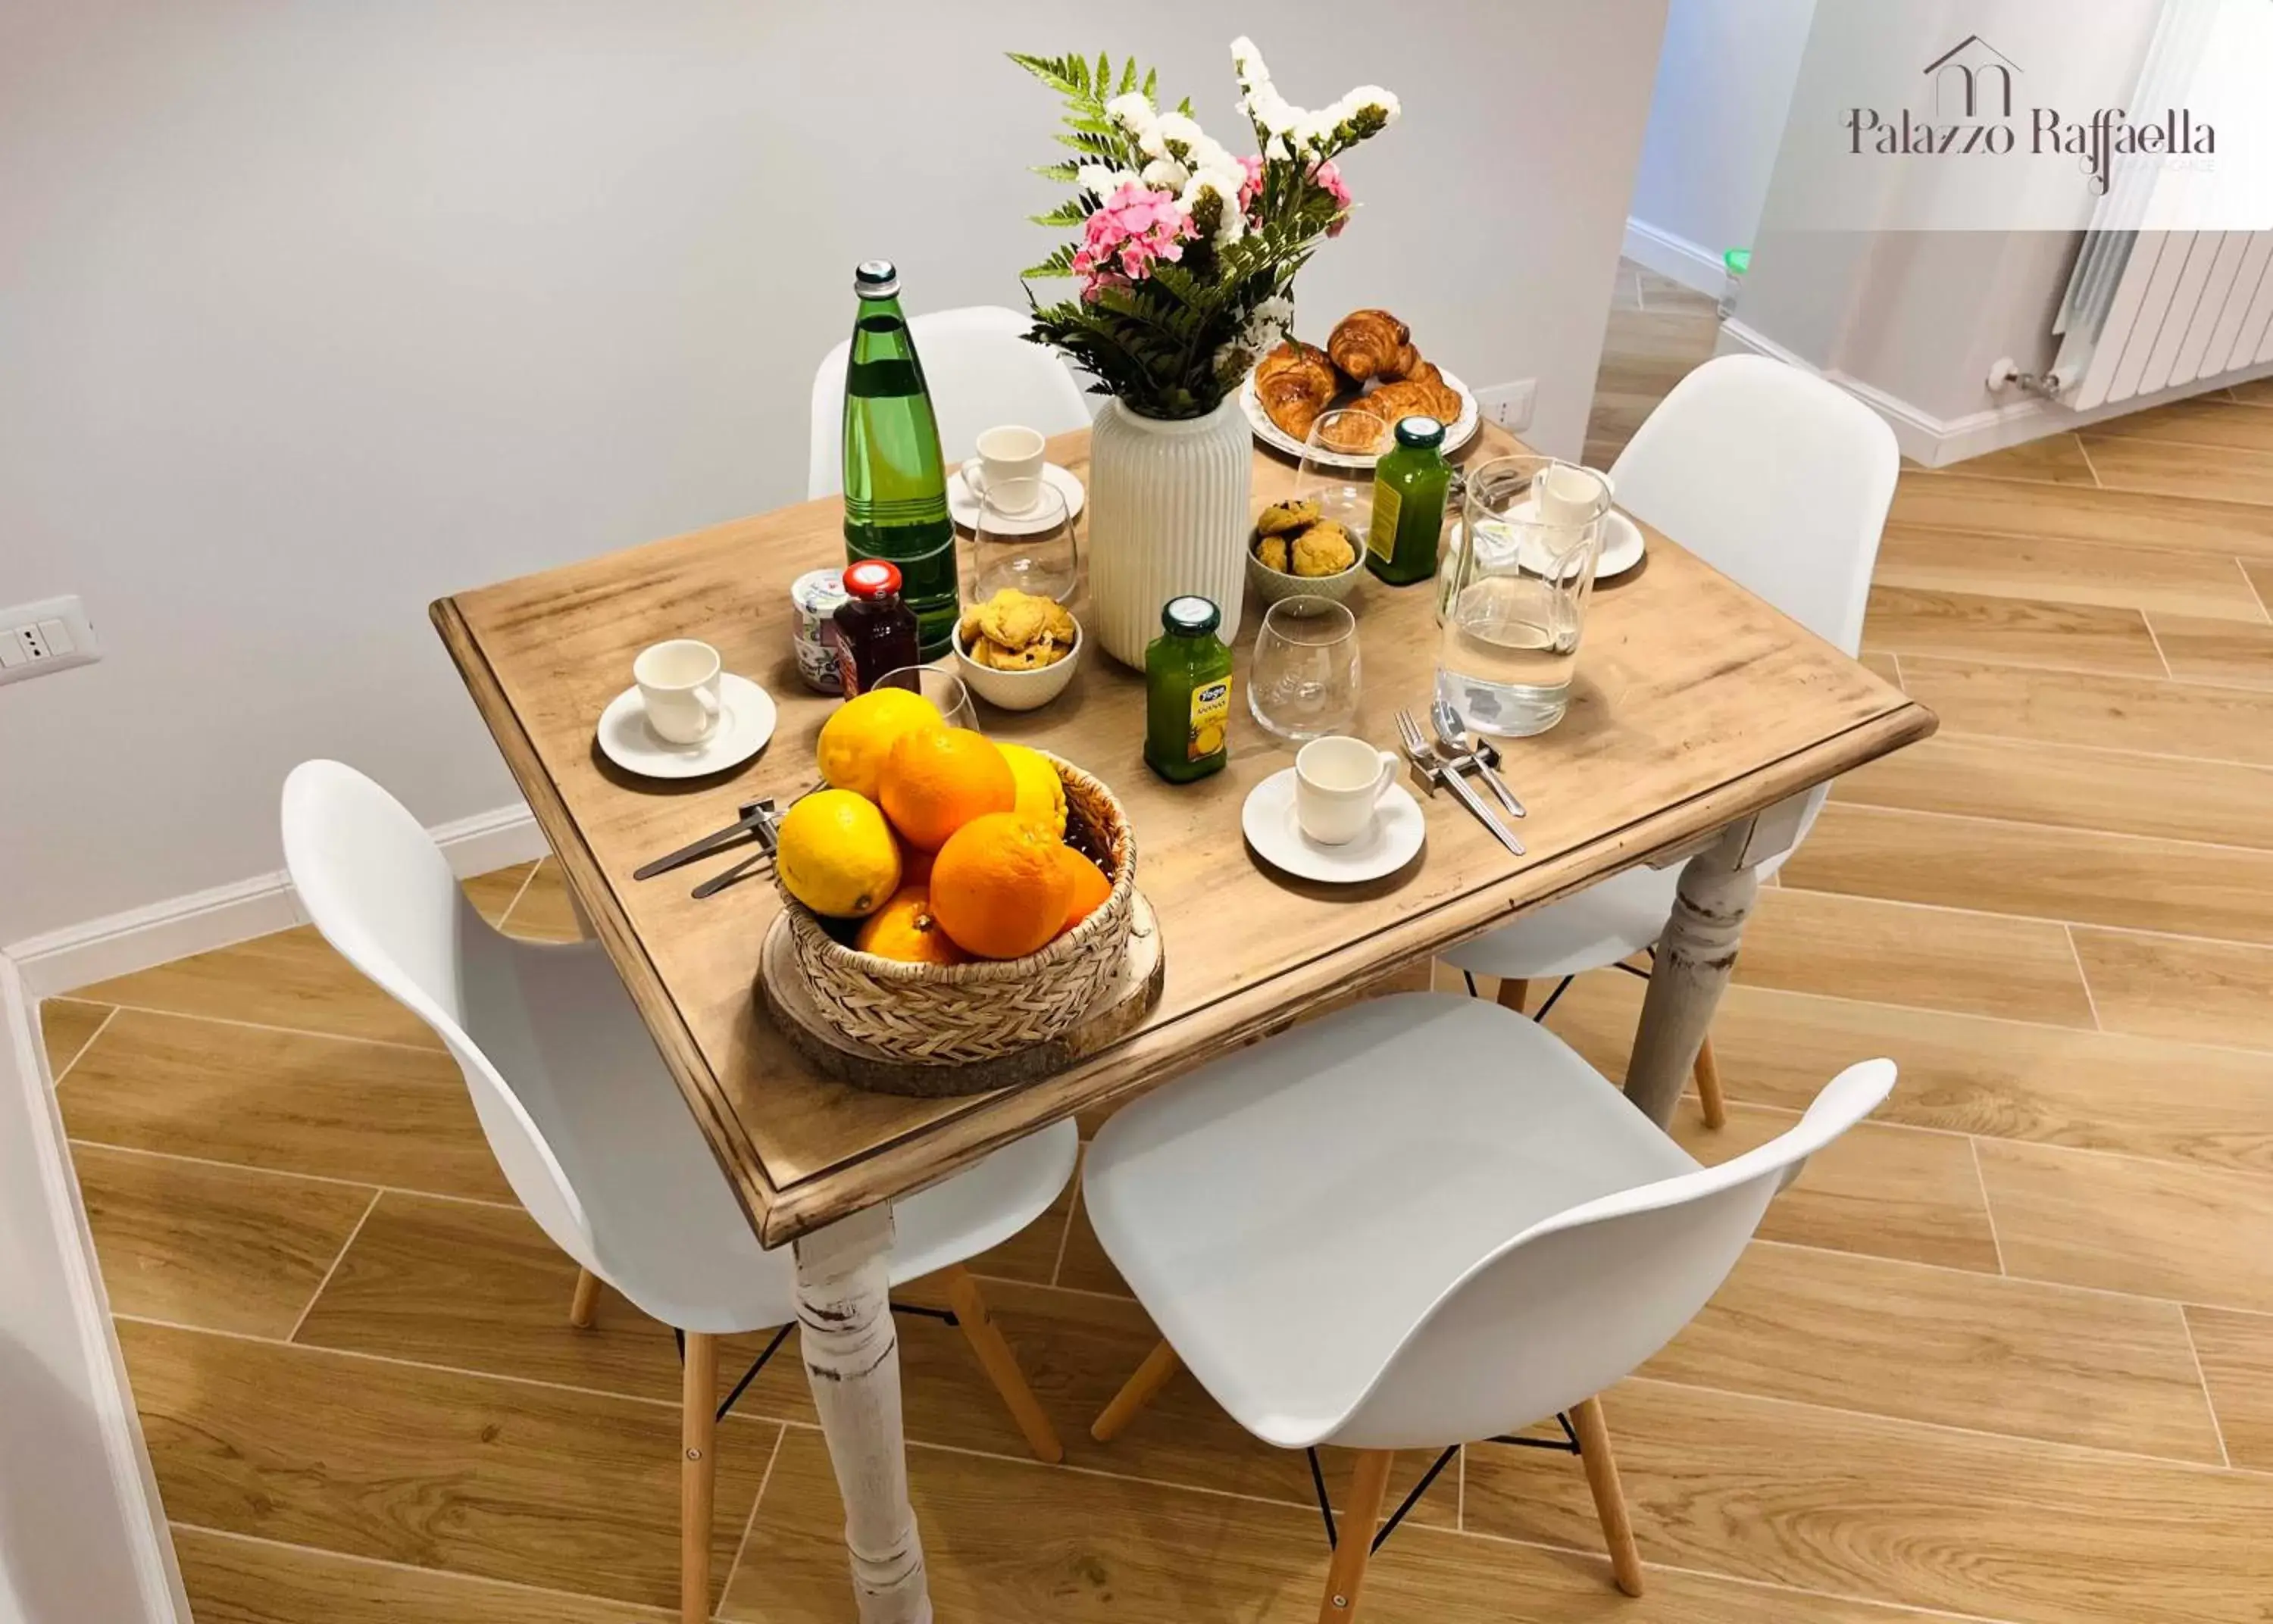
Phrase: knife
(753,813)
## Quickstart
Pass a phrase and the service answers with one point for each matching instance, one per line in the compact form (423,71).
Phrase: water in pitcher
(1510,647)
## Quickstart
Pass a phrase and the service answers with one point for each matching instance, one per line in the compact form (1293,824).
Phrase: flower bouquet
(1186,264)
(1187,254)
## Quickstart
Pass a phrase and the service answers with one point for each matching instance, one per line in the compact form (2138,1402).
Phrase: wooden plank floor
(2005,1353)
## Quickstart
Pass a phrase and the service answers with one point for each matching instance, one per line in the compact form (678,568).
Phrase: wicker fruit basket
(954,1014)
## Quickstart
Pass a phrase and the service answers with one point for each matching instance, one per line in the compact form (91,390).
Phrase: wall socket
(50,635)
(1508,405)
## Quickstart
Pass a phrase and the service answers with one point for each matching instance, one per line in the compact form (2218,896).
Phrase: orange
(1091,888)
(835,856)
(904,929)
(935,779)
(998,887)
(861,732)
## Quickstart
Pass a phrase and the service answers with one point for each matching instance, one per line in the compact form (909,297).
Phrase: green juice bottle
(1187,693)
(1409,485)
(895,479)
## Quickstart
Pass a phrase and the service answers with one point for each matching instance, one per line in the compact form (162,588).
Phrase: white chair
(593,1135)
(980,370)
(1422,1222)
(1780,482)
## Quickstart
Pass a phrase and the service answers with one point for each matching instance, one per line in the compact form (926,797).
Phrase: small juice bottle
(1187,693)
(1409,484)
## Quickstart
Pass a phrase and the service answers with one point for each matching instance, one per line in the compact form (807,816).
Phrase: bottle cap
(1420,432)
(872,579)
(875,278)
(1189,616)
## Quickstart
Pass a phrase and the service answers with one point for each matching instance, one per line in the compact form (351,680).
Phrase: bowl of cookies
(1016,651)
(1297,551)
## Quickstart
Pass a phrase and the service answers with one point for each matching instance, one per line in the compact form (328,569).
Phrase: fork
(1431,767)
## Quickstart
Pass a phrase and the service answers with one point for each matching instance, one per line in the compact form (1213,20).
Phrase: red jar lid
(873,578)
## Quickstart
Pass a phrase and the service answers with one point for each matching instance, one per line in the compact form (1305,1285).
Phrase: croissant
(1371,343)
(1296,382)
(1414,397)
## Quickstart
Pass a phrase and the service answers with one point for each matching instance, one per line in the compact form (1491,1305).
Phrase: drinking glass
(1344,496)
(1514,599)
(1304,682)
(1022,540)
(940,685)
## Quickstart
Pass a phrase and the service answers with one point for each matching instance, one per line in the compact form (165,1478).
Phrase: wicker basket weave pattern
(949,1014)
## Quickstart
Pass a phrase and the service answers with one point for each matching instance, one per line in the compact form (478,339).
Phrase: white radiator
(2148,310)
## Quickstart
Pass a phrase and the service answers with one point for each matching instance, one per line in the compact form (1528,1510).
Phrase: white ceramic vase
(1168,515)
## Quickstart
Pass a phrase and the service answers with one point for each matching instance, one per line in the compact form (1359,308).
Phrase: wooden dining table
(1700,721)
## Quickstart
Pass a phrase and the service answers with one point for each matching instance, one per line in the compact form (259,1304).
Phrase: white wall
(315,312)
(1716,117)
(80,1538)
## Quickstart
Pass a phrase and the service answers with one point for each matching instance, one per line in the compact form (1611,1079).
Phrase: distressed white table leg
(852,1361)
(1693,960)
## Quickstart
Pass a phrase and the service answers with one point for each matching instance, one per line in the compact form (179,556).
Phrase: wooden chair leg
(1001,1366)
(1513,990)
(1160,1366)
(1347,1574)
(698,1432)
(1707,1073)
(586,1303)
(1609,1499)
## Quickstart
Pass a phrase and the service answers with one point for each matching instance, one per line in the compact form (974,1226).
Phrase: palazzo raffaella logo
(1969,109)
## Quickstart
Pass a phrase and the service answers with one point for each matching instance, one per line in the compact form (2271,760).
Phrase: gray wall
(314,312)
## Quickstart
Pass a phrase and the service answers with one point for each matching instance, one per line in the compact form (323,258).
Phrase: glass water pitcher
(1512,599)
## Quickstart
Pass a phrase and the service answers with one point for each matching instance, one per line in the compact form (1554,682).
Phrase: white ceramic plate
(1458,432)
(1622,546)
(746,721)
(1268,820)
(963,501)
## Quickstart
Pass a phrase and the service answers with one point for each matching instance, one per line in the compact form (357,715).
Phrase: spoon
(1454,736)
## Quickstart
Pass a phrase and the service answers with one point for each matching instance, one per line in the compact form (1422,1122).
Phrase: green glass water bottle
(1409,484)
(895,479)
(1187,693)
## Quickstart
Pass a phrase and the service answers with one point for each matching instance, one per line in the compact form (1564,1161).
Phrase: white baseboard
(1937,442)
(120,944)
(1675,257)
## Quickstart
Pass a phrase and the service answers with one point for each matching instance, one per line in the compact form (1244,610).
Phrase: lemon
(1041,792)
(837,855)
(855,741)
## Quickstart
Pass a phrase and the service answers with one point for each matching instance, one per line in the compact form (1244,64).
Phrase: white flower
(1135,113)
(1223,183)
(1374,97)
(1267,323)
(1165,173)
(1102,179)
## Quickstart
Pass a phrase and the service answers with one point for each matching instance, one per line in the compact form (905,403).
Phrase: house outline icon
(1966,79)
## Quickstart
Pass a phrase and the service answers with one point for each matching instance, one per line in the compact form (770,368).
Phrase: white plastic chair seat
(1289,1213)
(1610,920)
(681,1247)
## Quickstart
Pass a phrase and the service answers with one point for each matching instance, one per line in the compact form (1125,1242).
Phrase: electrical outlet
(1508,405)
(51,635)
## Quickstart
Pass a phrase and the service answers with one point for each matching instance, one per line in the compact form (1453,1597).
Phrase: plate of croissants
(1370,362)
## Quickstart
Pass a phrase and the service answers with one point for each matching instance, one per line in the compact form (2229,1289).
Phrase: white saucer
(746,721)
(1268,821)
(963,501)
(1622,546)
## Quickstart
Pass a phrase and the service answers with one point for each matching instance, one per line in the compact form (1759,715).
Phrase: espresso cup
(1009,463)
(679,686)
(1339,783)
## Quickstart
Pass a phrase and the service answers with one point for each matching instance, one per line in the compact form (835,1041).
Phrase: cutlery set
(758,821)
(1445,767)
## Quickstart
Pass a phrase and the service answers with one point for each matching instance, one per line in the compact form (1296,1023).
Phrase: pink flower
(1328,176)
(1134,229)
(1251,188)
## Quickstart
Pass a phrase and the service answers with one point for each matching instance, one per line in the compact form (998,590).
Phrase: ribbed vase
(1167,516)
